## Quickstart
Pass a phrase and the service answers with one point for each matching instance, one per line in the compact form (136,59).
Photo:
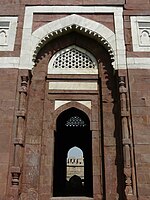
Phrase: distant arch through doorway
(75,152)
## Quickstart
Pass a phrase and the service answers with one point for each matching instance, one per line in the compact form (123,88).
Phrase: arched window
(3,37)
(145,37)
(73,59)
(75,171)
(75,152)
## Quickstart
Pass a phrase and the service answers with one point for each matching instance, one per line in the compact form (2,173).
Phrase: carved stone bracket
(15,175)
(24,83)
(21,113)
(126,139)
(18,141)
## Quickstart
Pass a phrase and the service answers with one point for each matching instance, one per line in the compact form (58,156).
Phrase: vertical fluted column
(20,132)
(126,139)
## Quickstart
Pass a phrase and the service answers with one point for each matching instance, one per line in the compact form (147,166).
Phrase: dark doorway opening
(73,130)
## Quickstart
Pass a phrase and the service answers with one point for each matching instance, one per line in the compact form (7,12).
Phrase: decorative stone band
(73,85)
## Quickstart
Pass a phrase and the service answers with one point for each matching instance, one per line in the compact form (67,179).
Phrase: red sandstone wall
(41,19)
(8,83)
(140,105)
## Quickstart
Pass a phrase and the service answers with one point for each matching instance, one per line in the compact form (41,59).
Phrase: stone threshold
(71,198)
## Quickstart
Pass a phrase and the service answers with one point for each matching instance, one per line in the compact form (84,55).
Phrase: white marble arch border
(30,40)
(74,22)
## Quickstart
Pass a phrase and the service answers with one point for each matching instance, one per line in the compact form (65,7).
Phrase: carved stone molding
(15,175)
(126,140)
(77,28)
(20,133)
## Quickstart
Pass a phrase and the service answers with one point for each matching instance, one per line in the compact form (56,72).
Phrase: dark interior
(73,129)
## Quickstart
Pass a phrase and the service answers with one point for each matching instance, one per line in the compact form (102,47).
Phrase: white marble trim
(132,63)
(135,33)
(27,46)
(9,62)
(138,63)
(59,103)
(73,85)
(55,28)
(11,33)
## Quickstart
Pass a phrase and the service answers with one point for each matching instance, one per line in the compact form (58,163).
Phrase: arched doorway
(72,129)
(60,90)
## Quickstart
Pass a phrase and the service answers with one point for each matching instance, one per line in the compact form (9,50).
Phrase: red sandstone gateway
(74,103)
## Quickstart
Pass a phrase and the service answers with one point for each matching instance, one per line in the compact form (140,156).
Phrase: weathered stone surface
(40,117)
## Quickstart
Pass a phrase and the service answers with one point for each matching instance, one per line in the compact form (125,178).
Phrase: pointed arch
(72,104)
(74,22)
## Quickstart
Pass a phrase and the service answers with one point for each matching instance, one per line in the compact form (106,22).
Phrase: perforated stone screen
(74,59)
(75,121)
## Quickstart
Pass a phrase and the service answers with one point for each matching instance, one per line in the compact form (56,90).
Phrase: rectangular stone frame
(25,60)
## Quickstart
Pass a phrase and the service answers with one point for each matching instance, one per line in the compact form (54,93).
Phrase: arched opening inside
(75,152)
(73,155)
(75,171)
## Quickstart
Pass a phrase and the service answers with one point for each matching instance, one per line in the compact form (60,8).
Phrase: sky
(75,152)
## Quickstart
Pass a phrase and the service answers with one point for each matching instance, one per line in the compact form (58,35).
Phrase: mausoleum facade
(75,74)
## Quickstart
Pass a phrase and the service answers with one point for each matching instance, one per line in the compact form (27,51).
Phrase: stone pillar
(126,140)
(20,136)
